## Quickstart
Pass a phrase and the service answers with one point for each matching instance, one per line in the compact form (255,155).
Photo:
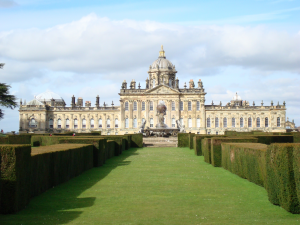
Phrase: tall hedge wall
(55,164)
(191,143)
(3,140)
(280,182)
(183,140)
(98,147)
(15,177)
(118,143)
(19,139)
(137,140)
(206,149)
(247,160)
(296,165)
(269,139)
(197,142)
(296,137)
(216,151)
(111,145)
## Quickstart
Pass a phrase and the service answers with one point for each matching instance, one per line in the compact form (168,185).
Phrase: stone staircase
(160,142)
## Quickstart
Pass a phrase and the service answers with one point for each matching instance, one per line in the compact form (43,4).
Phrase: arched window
(258,122)
(181,105)
(100,123)
(198,105)
(198,122)
(126,106)
(241,122)
(67,123)
(143,120)
(151,122)
(189,106)
(278,121)
(108,123)
(59,123)
(32,123)
(173,106)
(233,122)
(116,123)
(75,123)
(217,122)
(190,122)
(143,106)
(225,122)
(151,106)
(249,122)
(51,123)
(266,122)
(153,84)
(134,106)
(208,122)
(92,123)
(126,123)
(170,83)
(173,122)
(134,123)
(83,123)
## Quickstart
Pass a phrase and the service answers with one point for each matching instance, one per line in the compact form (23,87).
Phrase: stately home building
(47,112)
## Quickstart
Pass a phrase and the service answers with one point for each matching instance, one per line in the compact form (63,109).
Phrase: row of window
(151,106)
(242,122)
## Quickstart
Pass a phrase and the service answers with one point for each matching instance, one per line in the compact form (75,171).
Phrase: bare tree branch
(1,65)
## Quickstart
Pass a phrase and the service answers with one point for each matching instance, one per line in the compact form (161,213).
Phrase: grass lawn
(154,186)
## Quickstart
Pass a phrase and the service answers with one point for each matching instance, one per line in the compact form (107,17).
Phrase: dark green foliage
(15,177)
(206,149)
(197,143)
(98,149)
(19,139)
(296,166)
(280,183)
(137,140)
(191,144)
(56,164)
(216,151)
(6,100)
(183,140)
(110,148)
(269,139)
(127,139)
(247,160)
(296,137)
(3,140)
(118,142)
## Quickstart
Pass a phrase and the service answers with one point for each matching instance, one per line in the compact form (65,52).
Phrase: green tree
(6,100)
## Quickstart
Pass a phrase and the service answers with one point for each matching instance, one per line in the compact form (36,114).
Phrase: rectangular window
(278,121)
(75,124)
(173,106)
(100,123)
(249,122)
(198,122)
(258,122)
(173,122)
(134,123)
(126,123)
(266,122)
(241,122)
(198,105)
(116,123)
(92,123)
(208,122)
(83,124)
(108,123)
(181,121)
(233,122)
(143,106)
(181,105)
(151,122)
(126,106)
(189,106)
(151,106)
(135,106)
(225,122)
(59,123)
(67,123)
(217,122)
(190,122)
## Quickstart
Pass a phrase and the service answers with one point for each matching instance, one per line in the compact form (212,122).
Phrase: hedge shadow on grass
(54,205)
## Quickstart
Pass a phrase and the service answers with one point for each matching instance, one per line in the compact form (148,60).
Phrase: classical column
(130,114)
(147,102)
(155,103)
(104,122)
(122,119)
(88,122)
(169,108)
(80,122)
(112,121)
(63,122)
(71,126)
(177,109)
(139,112)
(203,114)
(55,118)
(185,109)
(96,121)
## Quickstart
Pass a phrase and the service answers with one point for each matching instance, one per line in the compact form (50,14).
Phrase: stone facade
(136,105)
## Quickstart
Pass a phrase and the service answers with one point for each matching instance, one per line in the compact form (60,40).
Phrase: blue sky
(87,48)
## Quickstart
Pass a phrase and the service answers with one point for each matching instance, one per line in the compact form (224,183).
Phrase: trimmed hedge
(3,140)
(197,142)
(296,137)
(206,149)
(247,160)
(280,182)
(296,166)
(15,177)
(56,164)
(183,139)
(19,139)
(118,143)
(269,139)
(127,139)
(191,143)
(137,140)
(216,151)
(111,145)
(98,147)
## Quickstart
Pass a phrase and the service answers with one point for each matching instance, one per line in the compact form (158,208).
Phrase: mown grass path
(154,186)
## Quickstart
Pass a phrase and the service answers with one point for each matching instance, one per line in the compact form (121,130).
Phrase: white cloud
(7,3)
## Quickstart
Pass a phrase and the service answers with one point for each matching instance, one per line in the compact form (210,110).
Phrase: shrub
(280,183)
(19,139)
(269,139)
(3,140)
(137,140)
(296,166)
(98,147)
(296,137)
(197,142)
(206,149)
(183,140)
(191,144)
(118,143)
(247,160)
(15,177)
(216,152)
(110,148)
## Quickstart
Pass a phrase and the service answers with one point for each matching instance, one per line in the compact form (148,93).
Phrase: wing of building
(48,111)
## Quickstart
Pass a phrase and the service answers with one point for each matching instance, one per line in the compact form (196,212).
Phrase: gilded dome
(162,62)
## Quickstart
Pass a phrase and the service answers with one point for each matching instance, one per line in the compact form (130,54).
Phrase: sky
(87,48)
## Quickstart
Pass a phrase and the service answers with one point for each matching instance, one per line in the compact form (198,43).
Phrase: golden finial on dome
(162,52)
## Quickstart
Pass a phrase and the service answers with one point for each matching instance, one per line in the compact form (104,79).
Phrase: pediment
(162,89)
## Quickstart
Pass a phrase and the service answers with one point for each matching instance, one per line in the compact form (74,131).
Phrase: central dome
(162,62)
(48,95)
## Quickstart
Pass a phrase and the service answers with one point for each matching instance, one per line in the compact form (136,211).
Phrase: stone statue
(180,127)
(142,127)
(161,112)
